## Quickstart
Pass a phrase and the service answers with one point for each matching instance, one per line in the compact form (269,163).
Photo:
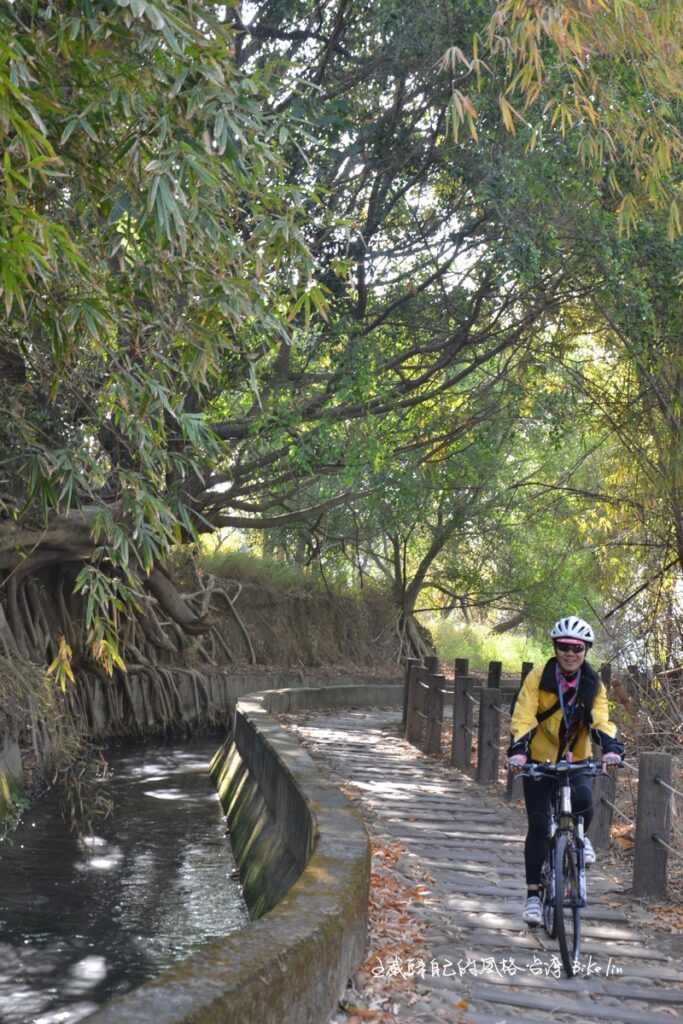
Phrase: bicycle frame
(563,876)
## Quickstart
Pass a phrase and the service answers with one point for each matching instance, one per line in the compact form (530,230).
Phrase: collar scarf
(566,686)
(566,691)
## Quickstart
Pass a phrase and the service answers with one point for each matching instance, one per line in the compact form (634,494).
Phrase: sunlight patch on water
(84,920)
(92,840)
(75,1012)
(90,969)
(168,794)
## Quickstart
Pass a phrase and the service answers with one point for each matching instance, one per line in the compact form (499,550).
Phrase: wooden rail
(481,708)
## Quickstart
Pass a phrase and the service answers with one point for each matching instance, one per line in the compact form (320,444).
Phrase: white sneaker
(588,852)
(533,914)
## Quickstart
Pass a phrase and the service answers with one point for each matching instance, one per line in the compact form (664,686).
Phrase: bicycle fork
(573,825)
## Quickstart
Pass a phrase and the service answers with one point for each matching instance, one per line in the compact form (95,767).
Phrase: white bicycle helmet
(572,628)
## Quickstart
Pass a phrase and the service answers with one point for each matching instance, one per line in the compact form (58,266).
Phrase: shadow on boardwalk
(483,966)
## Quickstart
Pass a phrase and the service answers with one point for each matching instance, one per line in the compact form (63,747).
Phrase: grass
(480,646)
(275,575)
(249,568)
(13,802)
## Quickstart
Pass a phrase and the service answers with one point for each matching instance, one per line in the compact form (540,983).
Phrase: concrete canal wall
(304,859)
(11,772)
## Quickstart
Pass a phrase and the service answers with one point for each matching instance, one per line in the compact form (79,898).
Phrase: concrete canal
(84,920)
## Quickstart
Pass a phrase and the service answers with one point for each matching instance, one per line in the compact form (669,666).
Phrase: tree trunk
(173,603)
(511,623)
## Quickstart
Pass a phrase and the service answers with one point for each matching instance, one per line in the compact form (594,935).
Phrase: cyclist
(559,710)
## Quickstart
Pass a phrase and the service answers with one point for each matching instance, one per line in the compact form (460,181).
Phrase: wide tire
(567,899)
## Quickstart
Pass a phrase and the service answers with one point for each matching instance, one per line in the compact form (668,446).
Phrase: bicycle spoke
(548,896)
(567,902)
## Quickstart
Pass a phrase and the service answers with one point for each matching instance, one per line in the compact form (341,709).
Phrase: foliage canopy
(251,277)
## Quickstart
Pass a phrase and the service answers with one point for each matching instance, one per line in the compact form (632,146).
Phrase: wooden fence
(480,708)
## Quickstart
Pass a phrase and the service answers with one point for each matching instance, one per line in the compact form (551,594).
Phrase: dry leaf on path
(361,1013)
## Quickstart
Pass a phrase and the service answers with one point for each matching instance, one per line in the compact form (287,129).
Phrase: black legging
(537,800)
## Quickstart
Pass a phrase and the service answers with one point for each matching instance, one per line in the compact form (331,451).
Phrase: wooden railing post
(604,789)
(413,724)
(489,735)
(604,792)
(526,669)
(495,672)
(461,749)
(432,664)
(431,736)
(653,822)
(514,785)
(411,663)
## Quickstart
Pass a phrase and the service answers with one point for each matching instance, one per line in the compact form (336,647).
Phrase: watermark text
(506,967)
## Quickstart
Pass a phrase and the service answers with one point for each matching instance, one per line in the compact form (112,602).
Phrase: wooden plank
(586,1009)
(596,984)
(511,902)
(622,953)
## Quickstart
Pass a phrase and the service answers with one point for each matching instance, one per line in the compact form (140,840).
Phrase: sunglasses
(570,648)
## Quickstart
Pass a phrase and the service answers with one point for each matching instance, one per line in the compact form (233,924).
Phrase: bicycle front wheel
(547,892)
(567,902)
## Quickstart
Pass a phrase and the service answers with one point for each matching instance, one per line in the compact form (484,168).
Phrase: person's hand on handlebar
(517,762)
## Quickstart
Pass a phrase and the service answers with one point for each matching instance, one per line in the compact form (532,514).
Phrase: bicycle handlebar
(539,771)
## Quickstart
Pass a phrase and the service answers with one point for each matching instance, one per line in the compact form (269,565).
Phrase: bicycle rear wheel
(567,902)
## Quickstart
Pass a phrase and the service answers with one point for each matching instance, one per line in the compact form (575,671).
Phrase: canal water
(83,921)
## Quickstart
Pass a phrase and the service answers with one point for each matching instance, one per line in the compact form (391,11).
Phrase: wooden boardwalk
(471,844)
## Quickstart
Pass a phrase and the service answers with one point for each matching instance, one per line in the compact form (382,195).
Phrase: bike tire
(548,894)
(567,900)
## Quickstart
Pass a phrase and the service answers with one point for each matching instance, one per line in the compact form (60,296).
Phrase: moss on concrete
(6,802)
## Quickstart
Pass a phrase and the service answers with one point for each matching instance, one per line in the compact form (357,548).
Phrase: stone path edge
(292,965)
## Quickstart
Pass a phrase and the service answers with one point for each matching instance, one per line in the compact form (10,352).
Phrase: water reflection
(81,921)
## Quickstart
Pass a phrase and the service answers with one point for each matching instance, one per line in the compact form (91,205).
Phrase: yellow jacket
(549,739)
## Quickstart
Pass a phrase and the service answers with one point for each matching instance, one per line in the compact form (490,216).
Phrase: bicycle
(563,875)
